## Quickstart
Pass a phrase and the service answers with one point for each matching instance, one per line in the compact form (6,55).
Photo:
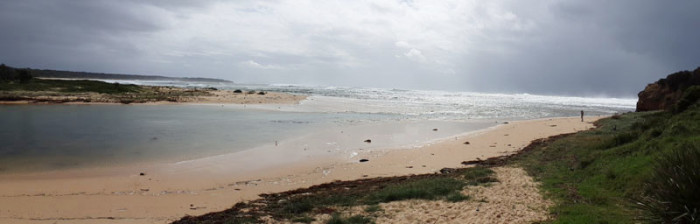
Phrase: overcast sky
(565,47)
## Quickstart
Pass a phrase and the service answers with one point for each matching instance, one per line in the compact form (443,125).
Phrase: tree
(24,75)
(7,73)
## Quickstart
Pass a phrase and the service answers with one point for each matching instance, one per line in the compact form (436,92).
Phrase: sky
(555,47)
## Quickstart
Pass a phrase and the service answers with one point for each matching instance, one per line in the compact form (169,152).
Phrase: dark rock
(364,160)
(435,129)
(238,91)
(466,143)
(261,93)
(447,170)
(665,93)
(473,162)
(368,141)
(326,210)
(409,167)
(142,174)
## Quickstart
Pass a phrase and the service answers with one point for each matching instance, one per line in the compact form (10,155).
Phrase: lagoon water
(49,137)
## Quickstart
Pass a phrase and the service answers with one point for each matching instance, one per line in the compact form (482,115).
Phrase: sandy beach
(165,192)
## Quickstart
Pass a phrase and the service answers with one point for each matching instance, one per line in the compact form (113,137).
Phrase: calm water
(64,136)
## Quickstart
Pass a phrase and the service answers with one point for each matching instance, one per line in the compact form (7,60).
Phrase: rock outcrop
(665,93)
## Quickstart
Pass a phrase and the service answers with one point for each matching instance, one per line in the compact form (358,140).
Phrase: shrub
(7,73)
(479,175)
(690,97)
(24,75)
(672,193)
(298,206)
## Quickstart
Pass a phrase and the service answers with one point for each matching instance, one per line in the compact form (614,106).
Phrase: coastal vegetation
(634,167)
(86,91)
(334,198)
(12,75)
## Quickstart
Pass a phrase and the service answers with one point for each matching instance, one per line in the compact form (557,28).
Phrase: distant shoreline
(82,91)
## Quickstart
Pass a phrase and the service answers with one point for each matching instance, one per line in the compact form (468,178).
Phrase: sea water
(50,137)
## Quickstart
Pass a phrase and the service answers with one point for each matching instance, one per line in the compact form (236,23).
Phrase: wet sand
(166,192)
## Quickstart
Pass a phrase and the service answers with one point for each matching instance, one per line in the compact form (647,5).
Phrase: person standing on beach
(581,116)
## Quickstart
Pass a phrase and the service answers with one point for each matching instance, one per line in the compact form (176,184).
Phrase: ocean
(333,120)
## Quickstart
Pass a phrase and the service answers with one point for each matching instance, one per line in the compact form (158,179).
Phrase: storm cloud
(591,48)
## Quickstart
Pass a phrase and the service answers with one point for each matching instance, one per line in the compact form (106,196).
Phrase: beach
(160,193)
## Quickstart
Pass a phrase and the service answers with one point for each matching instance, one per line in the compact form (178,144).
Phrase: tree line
(10,74)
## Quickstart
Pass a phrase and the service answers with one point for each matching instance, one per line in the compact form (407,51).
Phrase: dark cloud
(596,48)
(566,47)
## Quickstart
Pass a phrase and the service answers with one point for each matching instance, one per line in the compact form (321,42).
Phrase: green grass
(429,189)
(479,175)
(69,86)
(672,193)
(373,208)
(596,176)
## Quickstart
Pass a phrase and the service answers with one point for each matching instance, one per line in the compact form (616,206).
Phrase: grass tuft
(422,189)
(673,192)
(479,175)
(373,209)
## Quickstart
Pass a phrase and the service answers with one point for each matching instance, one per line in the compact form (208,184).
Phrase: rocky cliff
(665,93)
